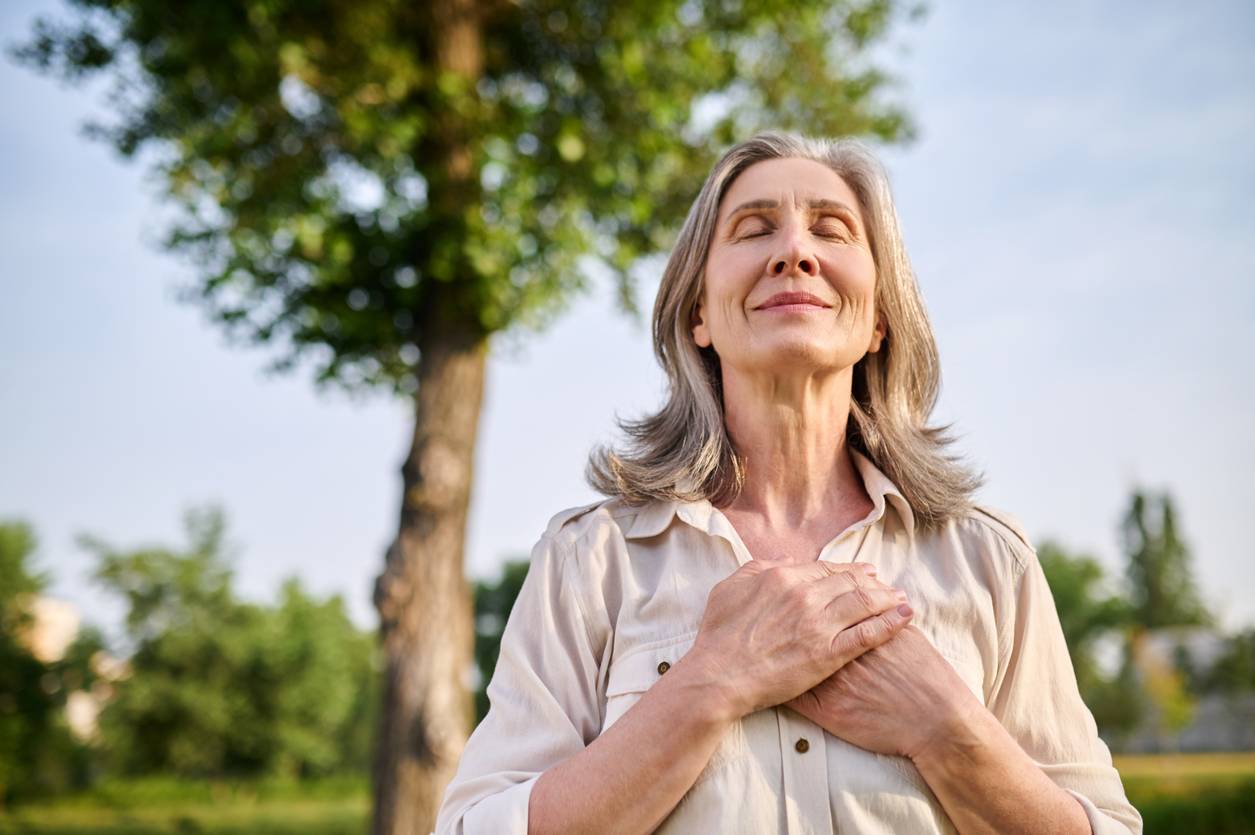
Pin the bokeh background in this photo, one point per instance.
(1078, 201)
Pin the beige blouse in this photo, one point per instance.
(615, 595)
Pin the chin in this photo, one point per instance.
(796, 354)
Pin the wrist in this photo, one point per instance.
(962, 735)
(707, 688)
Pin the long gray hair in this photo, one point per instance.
(684, 451)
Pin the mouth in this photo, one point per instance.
(794, 301)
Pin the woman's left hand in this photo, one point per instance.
(900, 698)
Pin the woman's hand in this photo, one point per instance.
(901, 698)
(771, 633)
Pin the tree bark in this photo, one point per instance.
(424, 603)
(423, 599)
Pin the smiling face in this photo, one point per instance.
(790, 281)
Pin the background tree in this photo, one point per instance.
(1087, 612)
(381, 185)
(26, 709)
(38, 756)
(1162, 591)
(219, 687)
(1233, 672)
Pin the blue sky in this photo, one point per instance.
(1079, 209)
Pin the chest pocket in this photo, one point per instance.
(640, 668)
(636, 671)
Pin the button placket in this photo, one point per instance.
(805, 773)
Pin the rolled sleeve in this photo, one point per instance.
(1037, 700)
(543, 702)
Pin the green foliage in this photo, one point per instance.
(222, 687)
(18, 579)
(37, 754)
(1227, 810)
(1162, 591)
(1086, 611)
(313, 147)
(1233, 672)
(493, 602)
(1119, 704)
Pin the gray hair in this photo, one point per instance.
(684, 452)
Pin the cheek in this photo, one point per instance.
(855, 282)
(855, 272)
(725, 290)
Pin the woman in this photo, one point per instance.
(789, 616)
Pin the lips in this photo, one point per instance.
(793, 299)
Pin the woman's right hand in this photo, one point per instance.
(770, 633)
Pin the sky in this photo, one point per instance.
(1079, 209)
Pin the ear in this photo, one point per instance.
(701, 333)
(878, 335)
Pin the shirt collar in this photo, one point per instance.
(654, 517)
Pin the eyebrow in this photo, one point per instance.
(821, 203)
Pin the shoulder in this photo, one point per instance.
(591, 527)
(998, 530)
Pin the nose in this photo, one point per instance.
(795, 257)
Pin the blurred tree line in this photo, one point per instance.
(211, 686)
(201, 684)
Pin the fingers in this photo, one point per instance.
(860, 603)
(823, 568)
(869, 633)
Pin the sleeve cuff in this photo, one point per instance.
(1099, 822)
(504, 812)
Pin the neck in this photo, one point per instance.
(791, 431)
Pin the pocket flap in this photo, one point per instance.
(637, 671)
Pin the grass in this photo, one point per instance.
(164, 806)
(1213, 793)
(283, 818)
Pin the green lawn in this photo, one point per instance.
(172, 807)
(282, 818)
(1212, 793)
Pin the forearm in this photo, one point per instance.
(987, 784)
(634, 774)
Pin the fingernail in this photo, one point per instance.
(905, 610)
(869, 570)
(901, 595)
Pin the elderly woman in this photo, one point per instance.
(789, 616)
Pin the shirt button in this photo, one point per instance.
(663, 667)
(802, 746)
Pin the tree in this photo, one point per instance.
(1162, 591)
(1086, 612)
(26, 708)
(380, 186)
(1233, 672)
(219, 687)
(38, 755)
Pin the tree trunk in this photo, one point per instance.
(423, 599)
(424, 603)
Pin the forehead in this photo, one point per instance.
(791, 181)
